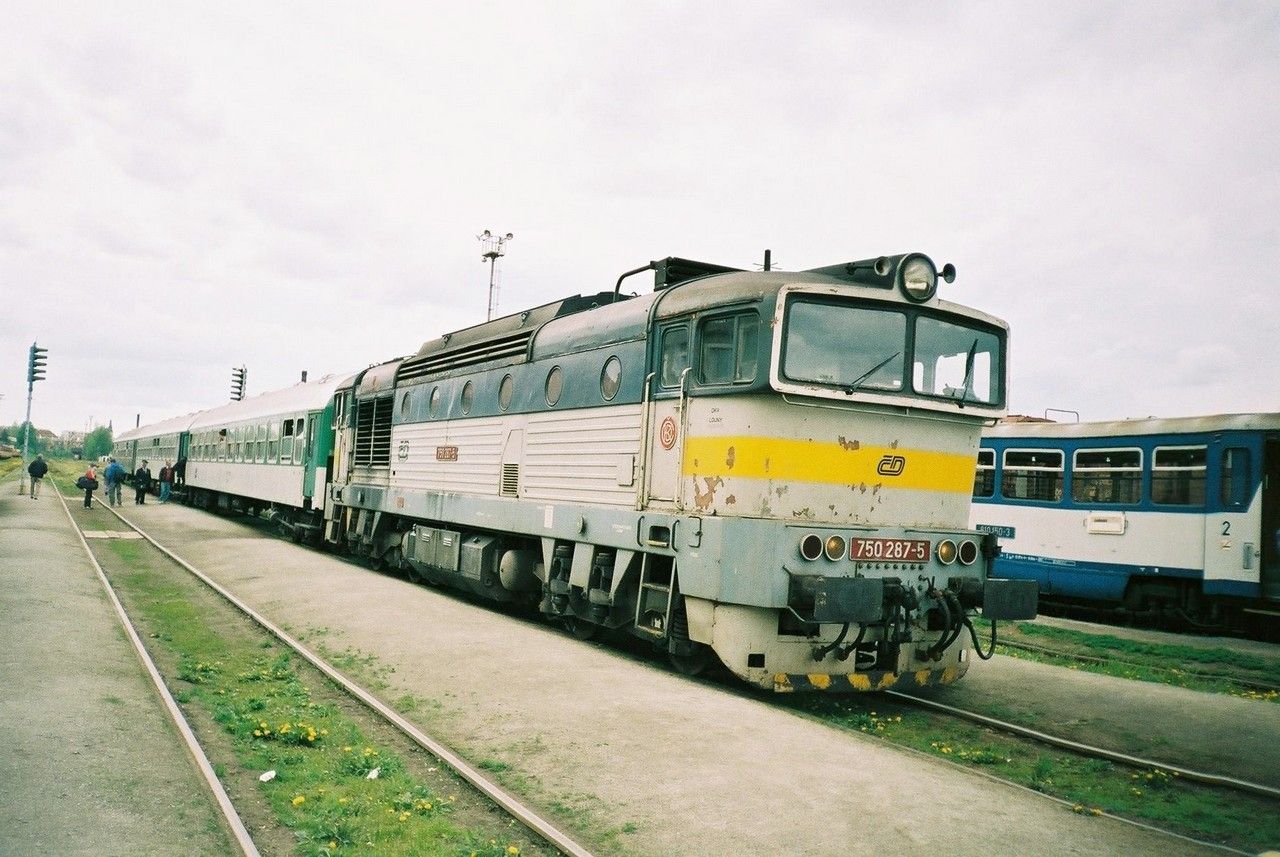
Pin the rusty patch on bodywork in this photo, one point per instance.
(701, 499)
(729, 459)
(850, 445)
(730, 500)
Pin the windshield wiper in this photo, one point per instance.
(849, 389)
(967, 387)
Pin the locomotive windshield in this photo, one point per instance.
(857, 348)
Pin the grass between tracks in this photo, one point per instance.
(339, 790)
(1213, 670)
(1091, 786)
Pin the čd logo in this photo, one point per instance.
(891, 465)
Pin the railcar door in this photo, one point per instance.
(1233, 525)
(1271, 520)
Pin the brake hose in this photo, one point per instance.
(978, 646)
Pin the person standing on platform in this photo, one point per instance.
(166, 482)
(36, 470)
(89, 482)
(180, 471)
(114, 476)
(141, 483)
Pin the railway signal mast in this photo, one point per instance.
(492, 246)
(36, 360)
(239, 383)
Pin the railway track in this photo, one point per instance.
(1209, 675)
(512, 806)
(1088, 750)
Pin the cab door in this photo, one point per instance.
(665, 418)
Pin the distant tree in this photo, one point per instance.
(98, 443)
(15, 432)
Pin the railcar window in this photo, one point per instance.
(851, 347)
(675, 355)
(404, 404)
(984, 480)
(468, 397)
(555, 385)
(506, 389)
(1107, 476)
(727, 349)
(433, 403)
(611, 378)
(262, 443)
(273, 442)
(286, 442)
(1032, 474)
(955, 362)
(1177, 476)
(1235, 476)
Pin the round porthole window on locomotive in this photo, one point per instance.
(610, 378)
(555, 385)
(468, 397)
(433, 404)
(505, 389)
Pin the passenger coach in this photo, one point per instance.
(774, 467)
(268, 453)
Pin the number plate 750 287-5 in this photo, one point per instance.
(889, 550)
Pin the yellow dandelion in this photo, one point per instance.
(299, 800)
(513, 851)
(342, 800)
(346, 749)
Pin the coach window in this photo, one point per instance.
(273, 442)
(611, 378)
(262, 443)
(1032, 474)
(468, 397)
(1107, 476)
(675, 355)
(1177, 475)
(984, 480)
(727, 349)
(505, 391)
(404, 405)
(286, 442)
(555, 385)
(433, 403)
(1235, 476)
(299, 441)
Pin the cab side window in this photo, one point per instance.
(727, 349)
(674, 356)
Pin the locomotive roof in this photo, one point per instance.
(1137, 427)
(303, 396)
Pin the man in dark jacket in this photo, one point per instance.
(141, 482)
(37, 469)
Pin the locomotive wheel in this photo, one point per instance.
(695, 662)
(580, 629)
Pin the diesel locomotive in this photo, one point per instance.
(772, 469)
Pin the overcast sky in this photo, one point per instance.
(185, 188)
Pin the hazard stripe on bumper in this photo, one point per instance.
(861, 682)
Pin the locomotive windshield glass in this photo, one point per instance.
(956, 362)
(845, 346)
(858, 348)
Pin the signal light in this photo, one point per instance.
(239, 382)
(35, 363)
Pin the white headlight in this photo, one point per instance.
(918, 277)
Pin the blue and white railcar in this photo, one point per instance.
(269, 452)
(1175, 515)
(156, 443)
(774, 467)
